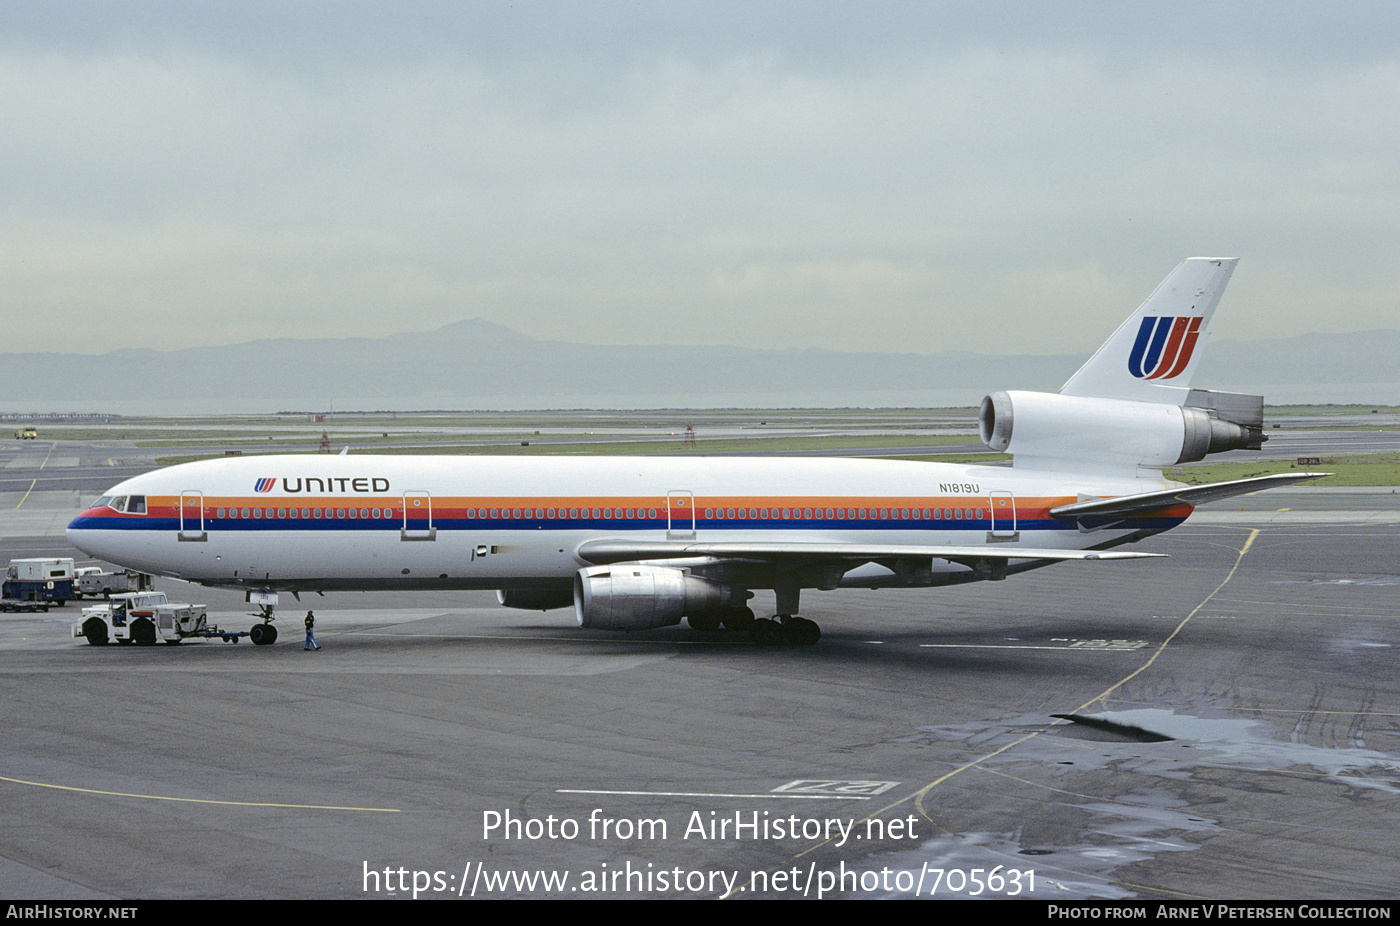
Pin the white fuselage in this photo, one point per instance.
(364, 522)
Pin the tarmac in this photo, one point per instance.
(1223, 724)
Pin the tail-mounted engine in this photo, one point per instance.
(1046, 428)
(635, 597)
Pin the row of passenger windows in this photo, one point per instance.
(315, 513)
(555, 513)
(846, 514)
(752, 514)
(492, 513)
(472, 513)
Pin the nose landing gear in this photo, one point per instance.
(264, 634)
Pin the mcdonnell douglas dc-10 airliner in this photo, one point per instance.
(633, 543)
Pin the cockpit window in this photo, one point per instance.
(102, 502)
(136, 504)
(119, 503)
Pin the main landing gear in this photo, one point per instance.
(740, 618)
(765, 631)
(785, 628)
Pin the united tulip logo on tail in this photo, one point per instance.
(265, 484)
(1164, 346)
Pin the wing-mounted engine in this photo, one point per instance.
(627, 596)
(1045, 430)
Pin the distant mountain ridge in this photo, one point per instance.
(479, 364)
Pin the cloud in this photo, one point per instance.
(910, 189)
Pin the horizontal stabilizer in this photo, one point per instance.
(1185, 495)
(618, 551)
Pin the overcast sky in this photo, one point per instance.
(870, 176)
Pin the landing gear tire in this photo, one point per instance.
(143, 632)
(766, 632)
(707, 621)
(95, 629)
(263, 634)
(798, 631)
(740, 618)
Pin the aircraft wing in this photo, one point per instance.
(1184, 495)
(600, 552)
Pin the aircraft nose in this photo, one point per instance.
(80, 530)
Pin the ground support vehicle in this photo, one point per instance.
(93, 582)
(42, 579)
(145, 617)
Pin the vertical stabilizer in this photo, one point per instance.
(1153, 355)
